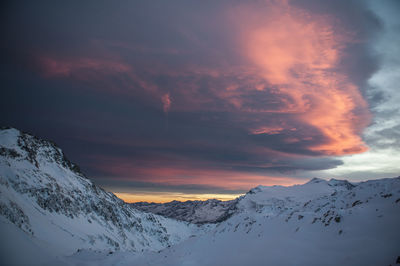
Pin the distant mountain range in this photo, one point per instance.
(51, 214)
(197, 212)
(212, 210)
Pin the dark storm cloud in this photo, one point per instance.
(93, 76)
(291, 166)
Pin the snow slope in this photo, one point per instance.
(58, 210)
(319, 223)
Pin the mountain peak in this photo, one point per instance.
(255, 189)
(316, 180)
(25, 146)
(340, 183)
(41, 188)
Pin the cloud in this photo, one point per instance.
(383, 135)
(262, 91)
(383, 85)
(129, 186)
(298, 54)
(52, 67)
(268, 130)
(288, 65)
(166, 100)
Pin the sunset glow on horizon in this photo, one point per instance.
(163, 101)
(163, 197)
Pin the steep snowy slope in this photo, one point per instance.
(60, 211)
(319, 223)
(198, 212)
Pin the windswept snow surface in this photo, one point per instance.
(46, 205)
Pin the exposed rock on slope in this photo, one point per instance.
(198, 212)
(319, 223)
(47, 197)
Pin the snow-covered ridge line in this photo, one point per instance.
(216, 211)
(47, 197)
(318, 223)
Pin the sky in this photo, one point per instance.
(184, 100)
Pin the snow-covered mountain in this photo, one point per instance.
(47, 198)
(198, 212)
(50, 214)
(318, 223)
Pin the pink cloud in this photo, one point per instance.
(52, 67)
(187, 174)
(166, 100)
(297, 53)
(286, 53)
(267, 130)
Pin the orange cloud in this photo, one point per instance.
(288, 53)
(298, 53)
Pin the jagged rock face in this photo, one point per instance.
(198, 212)
(41, 192)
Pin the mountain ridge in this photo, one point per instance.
(45, 199)
(40, 187)
(197, 212)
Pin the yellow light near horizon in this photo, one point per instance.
(162, 197)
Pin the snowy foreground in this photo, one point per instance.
(50, 214)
